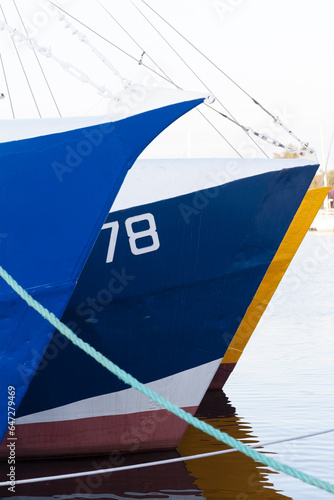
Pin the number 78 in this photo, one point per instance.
(134, 236)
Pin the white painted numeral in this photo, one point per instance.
(134, 236)
(113, 238)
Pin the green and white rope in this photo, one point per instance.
(134, 383)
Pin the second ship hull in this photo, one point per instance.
(162, 295)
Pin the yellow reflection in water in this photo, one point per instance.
(232, 476)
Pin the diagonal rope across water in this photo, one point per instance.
(134, 383)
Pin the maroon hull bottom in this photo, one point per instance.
(130, 433)
(221, 375)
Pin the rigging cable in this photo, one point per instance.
(199, 51)
(131, 37)
(150, 69)
(193, 72)
(22, 66)
(82, 37)
(39, 63)
(70, 68)
(247, 130)
(215, 128)
(6, 82)
(108, 41)
(267, 138)
(275, 118)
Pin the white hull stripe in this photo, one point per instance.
(149, 181)
(185, 389)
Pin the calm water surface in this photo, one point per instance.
(283, 387)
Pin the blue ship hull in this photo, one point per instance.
(162, 295)
(55, 193)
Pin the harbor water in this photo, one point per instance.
(282, 387)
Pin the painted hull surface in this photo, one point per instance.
(162, 295)
(289, 246)
(55, 193)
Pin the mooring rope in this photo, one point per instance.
(134, 383)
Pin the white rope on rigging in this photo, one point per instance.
(274, 142)
(304, 145)
(23, 69)
(141, 62)
(38, 61)
(83, 38)
(31, 43)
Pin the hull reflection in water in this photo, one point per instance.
(231, 476)
(171, 481)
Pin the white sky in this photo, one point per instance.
(280, 52)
